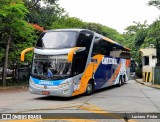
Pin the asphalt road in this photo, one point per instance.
(130, 101)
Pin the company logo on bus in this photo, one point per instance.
(46, 83)
(107, 60)
(45, 86)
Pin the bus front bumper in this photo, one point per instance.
(51, 90)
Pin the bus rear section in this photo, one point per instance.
(70, 62)
(109, 65)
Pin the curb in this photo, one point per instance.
(143, 83)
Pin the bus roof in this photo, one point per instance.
(96, 34)
(111, 41)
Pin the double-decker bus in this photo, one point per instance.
(69, 62)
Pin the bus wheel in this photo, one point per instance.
(120, 81)
(90, 88)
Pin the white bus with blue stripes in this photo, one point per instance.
(69, 62)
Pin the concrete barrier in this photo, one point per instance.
(147, 76)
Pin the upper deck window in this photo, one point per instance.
(57, 39)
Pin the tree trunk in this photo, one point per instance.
(6, 59)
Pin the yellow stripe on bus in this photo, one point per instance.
(109, 40)
(128, 48)
(113, 42)
(71, 53)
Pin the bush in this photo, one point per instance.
(139, 72)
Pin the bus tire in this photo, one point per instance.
(90, 88)
(120, 81)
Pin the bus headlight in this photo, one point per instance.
(64, 85)
(32, 83)
(65, 91)
(72, 82)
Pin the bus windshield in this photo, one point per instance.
(57, 39)
(50, 67)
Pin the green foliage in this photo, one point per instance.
(105, 31)
(154, 3)
(12, 14)
(140, 37)
(153, 32)
(68, 22)
(94, 27)
(72, 22)
(139, 72)
(135, 36)
(12, 26)
(153, 37)
(43, 15)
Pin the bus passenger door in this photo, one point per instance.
(78, 66)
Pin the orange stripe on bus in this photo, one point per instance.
(92, 67)
(114, 76)
(128, 63)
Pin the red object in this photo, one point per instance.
(37, 27)
(45, 92)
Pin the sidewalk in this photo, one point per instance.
(12, 89)
(147, 83)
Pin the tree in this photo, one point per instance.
(73, 22)
(96, 27)
(135, 36)
(43, 14)
(154, 29)
(68, 22)
(33, 3)
(155, 3)
(12, 15)
(105, 31)
(153, 37)
(140, 37)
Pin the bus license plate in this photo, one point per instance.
(45, 92)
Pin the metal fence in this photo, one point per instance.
(157, 75)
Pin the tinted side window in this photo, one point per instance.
(84, 40)
(78, 66)
(100, 47)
